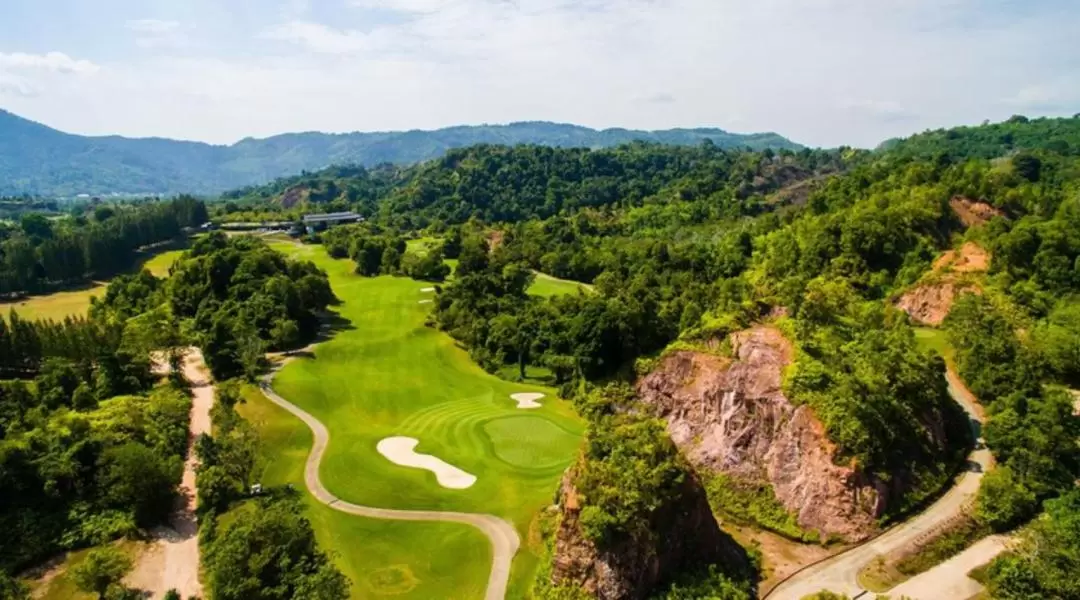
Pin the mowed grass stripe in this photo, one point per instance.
(390, 375)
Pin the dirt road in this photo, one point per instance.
(839, 573)
(504, 538)
(172, 562)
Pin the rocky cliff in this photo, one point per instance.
(730, 415)
(682, 534)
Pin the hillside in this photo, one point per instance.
(36, 159)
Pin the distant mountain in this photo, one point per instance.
(35, 159)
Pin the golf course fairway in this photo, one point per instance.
(383, 374)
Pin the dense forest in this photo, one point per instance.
(39, 254)
(680, 247)
(685, 245)
(90, 449)
(92, 444)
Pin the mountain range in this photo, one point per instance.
(38, 160)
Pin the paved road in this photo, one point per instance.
(839, 573)
(949, 580)
(504, 538)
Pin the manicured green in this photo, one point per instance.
(405, 560)
(546, 285)
(389, 375)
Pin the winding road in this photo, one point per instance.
(504, 538)
(840, 573)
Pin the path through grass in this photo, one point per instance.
(389, 375)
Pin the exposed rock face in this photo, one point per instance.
(682, 533)
(973, 212)
(731, 416)
(929, 303)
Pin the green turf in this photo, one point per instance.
(389, 375)
(529, 442)
(546, 285)
(381, 558)
(936, 340)
(76, 302)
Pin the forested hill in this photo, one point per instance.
(35, 159)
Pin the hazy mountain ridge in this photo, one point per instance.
(36, 159)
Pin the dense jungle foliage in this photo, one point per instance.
(89, 449)
(39, 253)
(685, 245)
(233, 297)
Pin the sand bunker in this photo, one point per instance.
(402, 451)
(425, 302)
(427, 290)
(528, 400)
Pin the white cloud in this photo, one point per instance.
(319, 38)
(158, 33)
(12, 85)
(1057, 95)
(156, 26)
(55, 62)
(825, 72)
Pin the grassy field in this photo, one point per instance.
(389, 375)
(76, 302)
(57, 584)
(381, 558)
(546, 285)
(937, 340)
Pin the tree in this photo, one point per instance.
(1047, 560)
(271, 554)
(134, 477)
(1003, 501)
(12, 589)
(100, 570)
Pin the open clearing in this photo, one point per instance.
(76, 302)
(402, 451)
(385, 374)
(546, 285)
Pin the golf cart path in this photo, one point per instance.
(840, 573)
(504, 538)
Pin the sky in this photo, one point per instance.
(821, 72)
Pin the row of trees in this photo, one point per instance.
(42, 253)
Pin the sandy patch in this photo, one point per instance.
(425, 302)
(427, 290)
(527, 400)
(402, 451)
(172, 561)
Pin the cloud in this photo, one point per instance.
(319, 38)
(1062, 94)
(54, 62)
(658, 99)
(11, 85)
(823, 72)
(886, 111)
(157, 33)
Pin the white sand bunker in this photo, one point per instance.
(527, 400)
(427, 290)
(402, 451)
(425, 301)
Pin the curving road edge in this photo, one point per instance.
(839, 573)
(504, 538)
